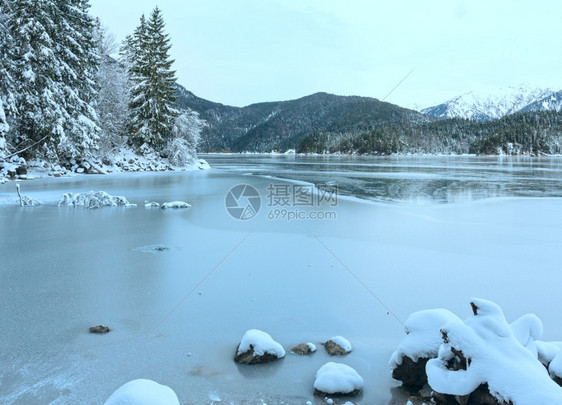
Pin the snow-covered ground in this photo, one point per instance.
(64, 269)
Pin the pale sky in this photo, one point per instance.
(239, 52)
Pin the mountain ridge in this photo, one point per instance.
(490, 105)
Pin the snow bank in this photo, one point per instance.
(335, 378)
(490, 353)
(175, 204)
(261, 343)
(143, 392)
(94, 199)
(423, 336)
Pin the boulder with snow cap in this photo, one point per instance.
(491, 355)
(304, 348)
(143, 392)
(258, 347)
(338, 346)
(421, 342)
(337, 379)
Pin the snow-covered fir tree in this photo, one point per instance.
(6, 59)
(3, 131)
(77, 49)
(152, 96)
(54, 65)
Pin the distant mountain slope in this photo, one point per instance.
(282, 125)
(552, 102)
(480, 106)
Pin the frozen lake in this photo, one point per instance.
(65, 269)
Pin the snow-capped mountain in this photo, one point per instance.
(486, 105)
(552, 102)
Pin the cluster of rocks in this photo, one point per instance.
(332, 379)
(443, 360)
(13, 168)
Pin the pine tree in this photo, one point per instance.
(153, 93)
(77, 49)
(55, 62)
(6, 60)
(37, 76)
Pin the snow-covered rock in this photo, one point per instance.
(143, 392)
(203, 165)
(256, 347)
(421, 343)
(151, 204)
(337, 379)
(175, 204)
(483, 350)
(304, 348)
(93, 199)
(338, 346)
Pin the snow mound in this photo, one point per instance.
(335, 378)
(175, 204)
(203, 165)
(93, 199)
(547, 351)
(143, 392)
(527, 330)
(312, 347)
(484, 350)
(423, 337)
(151, 204)
(261, 343)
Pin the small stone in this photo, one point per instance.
(99, 329)
(303, 348)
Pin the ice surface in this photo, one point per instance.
(64, 270)
(337, 378)
(143, 392)
(261, 342)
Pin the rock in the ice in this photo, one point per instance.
(304, 348)
(421, 343)
(258, 347)
(99, 329)
(175, 204)
(151, 204)
(337, 379)
(143, 392)
(338, 346)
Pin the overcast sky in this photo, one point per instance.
(240, 52)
